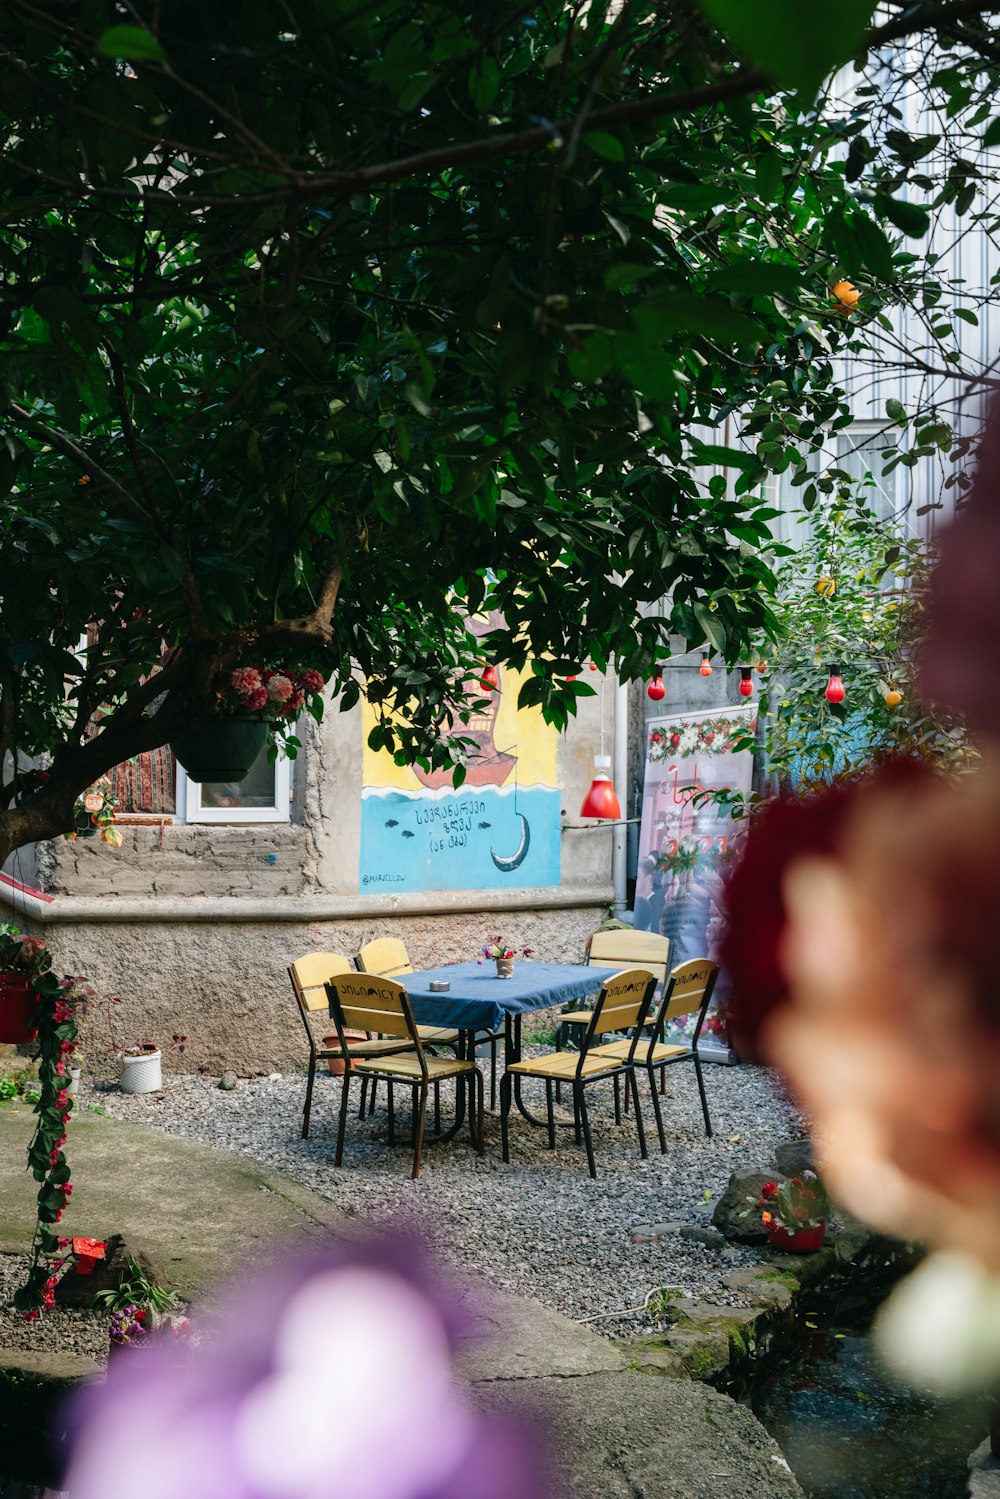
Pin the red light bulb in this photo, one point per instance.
(705, 669)
(490, 679)
(656, 689)
(746, 681)
(835, 692)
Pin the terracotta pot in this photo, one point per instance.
(222, 749)
(801, 1241)
(335, 1064)
(505, 968)
(17, 1009)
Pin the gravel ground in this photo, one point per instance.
(538, 1227)
(67, 1329)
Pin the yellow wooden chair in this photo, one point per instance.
(387, 957)
(622, 1005)
(609, 949)
(366, 1002)
(689, 988)
(309, 976)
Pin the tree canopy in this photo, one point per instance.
(324, 324)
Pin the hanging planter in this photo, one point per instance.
(223, 749)
(18, 1006)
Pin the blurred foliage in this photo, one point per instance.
(321, 322)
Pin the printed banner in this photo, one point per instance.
(499, 830)
(681, 843)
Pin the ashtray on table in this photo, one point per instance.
(439, 986)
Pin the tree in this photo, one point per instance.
(322, 323)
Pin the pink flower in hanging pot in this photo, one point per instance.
(280, 689)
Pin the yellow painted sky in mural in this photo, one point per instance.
(523, 734)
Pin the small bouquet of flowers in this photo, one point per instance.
(94, 813)
(279, 694)
(496, 947)
(800, 1202)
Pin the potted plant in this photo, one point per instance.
(497, 949)
(254, 705)
(141, 1065)
(794, 1213)
(22, 960)
(139, 1309)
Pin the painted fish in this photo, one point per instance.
(391, 822)
(485, 824)
(407, 833)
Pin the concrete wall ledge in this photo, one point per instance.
(226, 910)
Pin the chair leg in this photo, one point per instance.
(506, 1084)
(618, 1101)
(392, 1114)
(585, 1121)
(371, 1103)
(493, 1073)
(309, 1098)
(418, 1133)
(640, 1127)
(701, 1090)
(626, 1100)
(663, 1082)
(576, 1118)
(364, 1098)
(479, 1088)
(657, 1111)
(342, 1125)
(550, 1114)
(560, 1033)
(437, 1108)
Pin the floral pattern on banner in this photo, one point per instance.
(706, 736)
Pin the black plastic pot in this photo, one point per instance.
(222, 750)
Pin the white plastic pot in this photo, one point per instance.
(141, 1074)
(74, 1078)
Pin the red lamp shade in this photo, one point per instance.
(600, 800)
(746, 681)
(705, 669)
(835, 692)
(490, 679)
(656, 689)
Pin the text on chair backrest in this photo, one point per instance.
(370, 1003)
(623, 997)
(691, 981)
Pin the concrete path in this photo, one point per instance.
(197, 1211)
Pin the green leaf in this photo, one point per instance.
(908, 217)
(991, 135)
(603, 144)
(757, 278)
(723, 457)
(796, 43)
(875, 248)
(484, 83)
(895, 410)
(131, 43)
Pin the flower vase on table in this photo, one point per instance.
(503, 955)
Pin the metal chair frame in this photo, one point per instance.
(369, 1002)
(692, 980)
(623, 1003)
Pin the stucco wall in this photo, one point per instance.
(225, 986)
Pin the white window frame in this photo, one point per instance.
(187, 800)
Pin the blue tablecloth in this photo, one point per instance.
(478, 1000)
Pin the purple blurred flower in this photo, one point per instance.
(330, 1378)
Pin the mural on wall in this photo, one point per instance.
(499, 830)
(683, 841)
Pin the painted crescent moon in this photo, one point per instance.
(512, 861)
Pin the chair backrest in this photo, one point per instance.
(691, 986)
(386, 958)
(309, 976)
(628, 945)
(622, 1005)
(367, 1002)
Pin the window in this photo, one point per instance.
(858, 452)
(264, 796)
